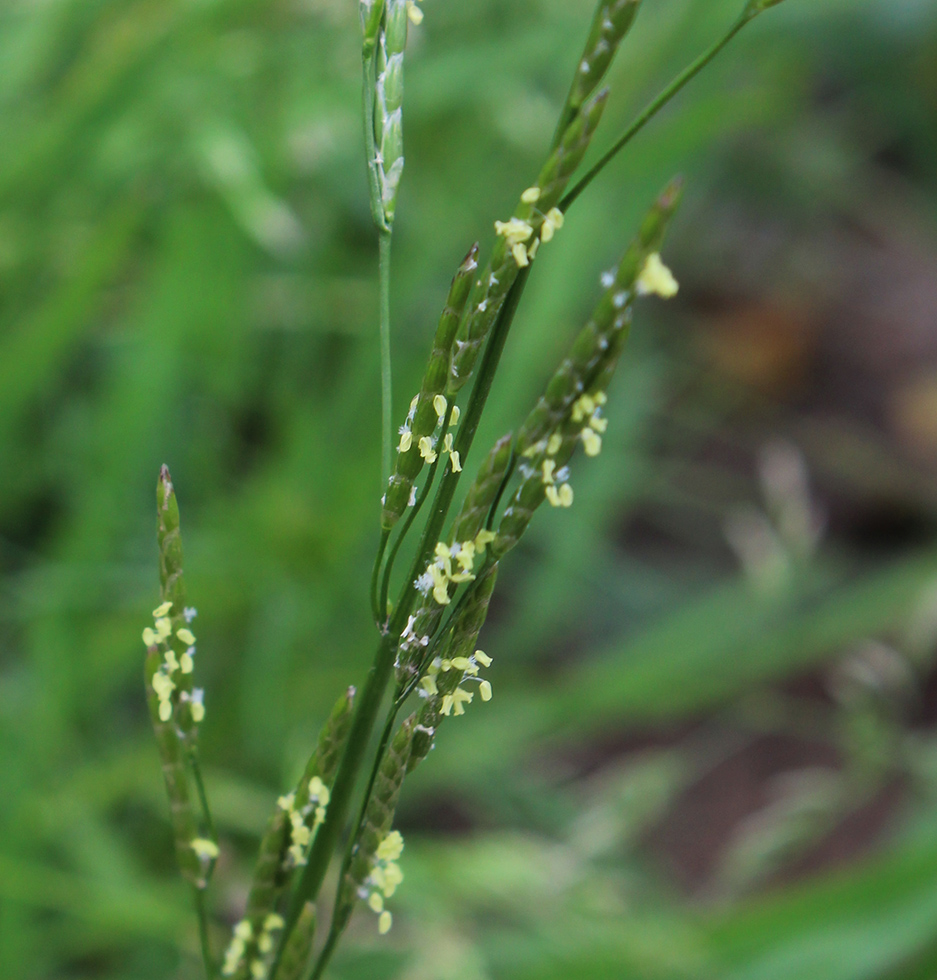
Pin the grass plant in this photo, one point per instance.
(427, 664)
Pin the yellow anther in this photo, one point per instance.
(554, 444)
(549, 465)
(376, 901)
(426, 449)
(483, 539)
(206, 849)
(163, 627)
(455, 416)
(440, 405)
(186, 635)
(484, 689)
(531, 195)
(514, 231)
(162, 609)
(482, 658)
(384, 922)
(591, 441)
(414, 13)
(406, 441)
(150, 638)
(656, 278)
(519, 251)
(391, 847)
(186, 663)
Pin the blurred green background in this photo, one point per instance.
(711, 753)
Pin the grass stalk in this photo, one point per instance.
(384, 238)
(201, 913)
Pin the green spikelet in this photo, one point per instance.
(377, 822)
(175, 773)
(461, 643)
(272, 872)
(502, 269)
(424, 419)
(388, 116)
(299, 945)
(612, 21)
(611, 317)
(172, 589)
(481, 494)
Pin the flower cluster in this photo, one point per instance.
(158, 635)
(454, 702)
(516, 232)
(427, 444)
(439, 573)
(243, 934)
(588, 408)
(384, 878)
(302, 832)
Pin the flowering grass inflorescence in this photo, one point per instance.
(427, 651)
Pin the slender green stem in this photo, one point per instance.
(327, 950)
(651, 110)
(202, 914)
(202, 795)
(379, 616)
(387, 424)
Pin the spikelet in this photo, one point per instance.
(170, 696)
(275, 863)
(612, 21)
(388, 112)
(375, 827)
(531, 213)
(425, 420)
(299, 945)
(458, 660)
(612, 316)
(481, 494)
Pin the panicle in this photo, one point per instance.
(175, 706)
(511, 251)
(299, 945)
(373, 869)
(388, 114)
(483, 491)
(289, 834)
(612, 21)
(425, 420)
(458, 660)
(610, 319)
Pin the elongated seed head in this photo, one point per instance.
(483, 491)
(612, 21)
(502, 269)
(275, 866)
(377, 821)
(424, 419)
(610, 318)
(459, 646)
(172, 758)
(299, 945)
